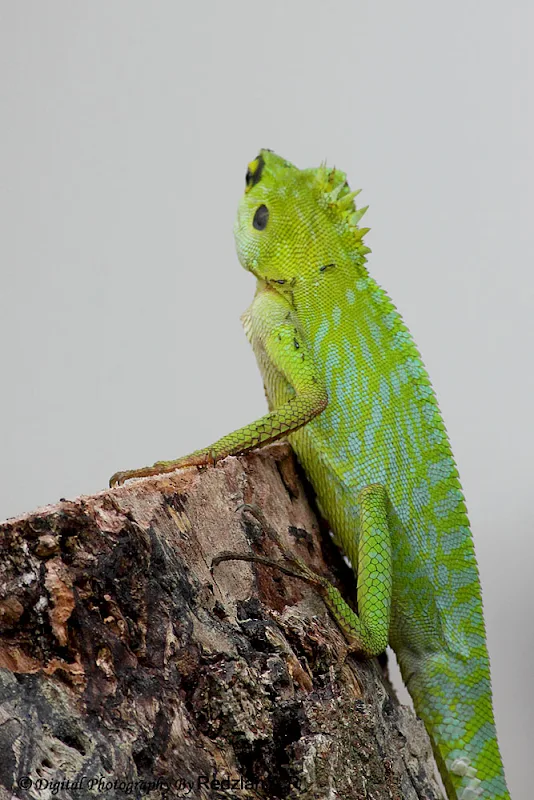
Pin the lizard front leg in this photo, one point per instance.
(289, 355)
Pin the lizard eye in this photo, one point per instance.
(261, 217)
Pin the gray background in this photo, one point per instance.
(126, 130)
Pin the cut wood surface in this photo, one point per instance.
(128, 668)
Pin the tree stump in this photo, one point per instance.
(129, 668)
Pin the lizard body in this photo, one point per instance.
(347, 386)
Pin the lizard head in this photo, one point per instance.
(292, 222)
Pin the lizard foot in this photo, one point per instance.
(345, 617)
(200, 459)
(290, 565)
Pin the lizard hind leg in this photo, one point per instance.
(367, 632)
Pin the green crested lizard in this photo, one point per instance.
(346, 385)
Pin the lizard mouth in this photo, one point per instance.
(245, 253)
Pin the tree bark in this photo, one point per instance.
(129, 668)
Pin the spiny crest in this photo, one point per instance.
(336, 197)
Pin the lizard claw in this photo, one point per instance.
(117, 479)
(257, 513)
(121, 477)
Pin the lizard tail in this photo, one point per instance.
(453, 698)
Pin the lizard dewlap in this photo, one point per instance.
(347, 387)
